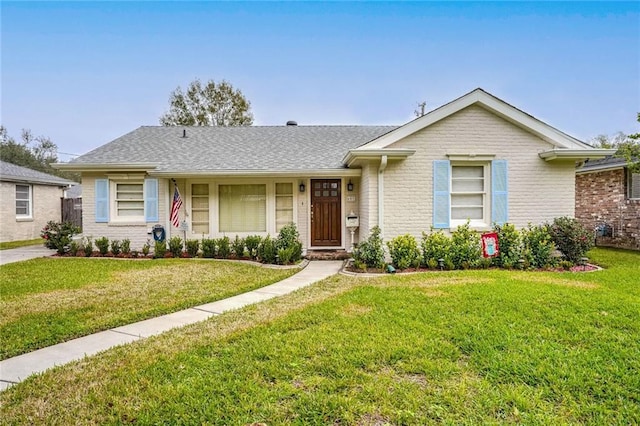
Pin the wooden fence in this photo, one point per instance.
(72, 211)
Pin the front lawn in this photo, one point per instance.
(22, 243)
(48, 301)
(470, 347)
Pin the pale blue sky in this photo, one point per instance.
(86, 73)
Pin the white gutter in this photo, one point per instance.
(575, 154)
(91, 167)
(334, 173)
(383, 166)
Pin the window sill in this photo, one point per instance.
(128, 223)
(480, 227)
(24, 219)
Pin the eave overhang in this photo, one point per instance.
(561, 154)
(355, 155)
(257, 173)
(34, 181)
(106, 167)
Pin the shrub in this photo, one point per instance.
(404, 251)
(289, 239)
(208, 248)
(510, 246)
(74, 247)
(238, 247)
(58, 235)
(192, 247)
(87, 246)
(103, 245)
(159, 249)
(466, 250)
(435, 245)
(571, 238)
(253, 242)
(146, 247)
(224, 247)
(175, 246)
(115, 247)
(285, 255)
(538, 246)
(267, 250)
(370, 252)
(126, 246)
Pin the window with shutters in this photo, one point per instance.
(200, 208)
(23, 201)
(242, 208)
(469, 194)
(633, 185)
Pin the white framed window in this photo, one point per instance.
(24, 201)
(469, 194)
(242, 208)
(200, 217)
(633, 185)
(128, 200)
(284, 204)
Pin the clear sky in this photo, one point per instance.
(86, 73)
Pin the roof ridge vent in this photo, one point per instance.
(292, 123)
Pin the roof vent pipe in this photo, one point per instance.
(292, 123)
(184, 133)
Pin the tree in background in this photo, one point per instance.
(37, 153)
(628, 147)
(214, 104)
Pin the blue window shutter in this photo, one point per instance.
(151, 200)
(102, 200)
(499, 192)
(441, 196)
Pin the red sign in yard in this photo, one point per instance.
(490, 246)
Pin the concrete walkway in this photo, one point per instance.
(24, 253)
(14, 370)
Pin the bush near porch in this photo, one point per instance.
(530, 248)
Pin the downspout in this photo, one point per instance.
(383, 166)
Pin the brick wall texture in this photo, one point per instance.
(46, 207)
(538, 190)
(601, 199)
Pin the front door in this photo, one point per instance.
(326, 215)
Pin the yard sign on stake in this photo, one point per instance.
(490, 246)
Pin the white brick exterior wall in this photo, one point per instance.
(538, 190)
(138, 233)
(46, 206)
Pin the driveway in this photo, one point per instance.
(24, 253)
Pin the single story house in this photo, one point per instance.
(608, 200)
(29, 200)
(476, 158)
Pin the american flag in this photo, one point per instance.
(175, 207)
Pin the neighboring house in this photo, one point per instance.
(608, 200)
(475, 158)
(29, 200)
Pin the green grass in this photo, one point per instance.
(472, 347)
(23, 243)
(48, 301)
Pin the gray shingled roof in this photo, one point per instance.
(608, 162)
(255, 148)
(12, 173)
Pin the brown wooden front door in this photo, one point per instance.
(326, 214)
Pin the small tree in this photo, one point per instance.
(58, 235)
(571, 238)
(214, 104)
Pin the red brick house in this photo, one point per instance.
(608, 200)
